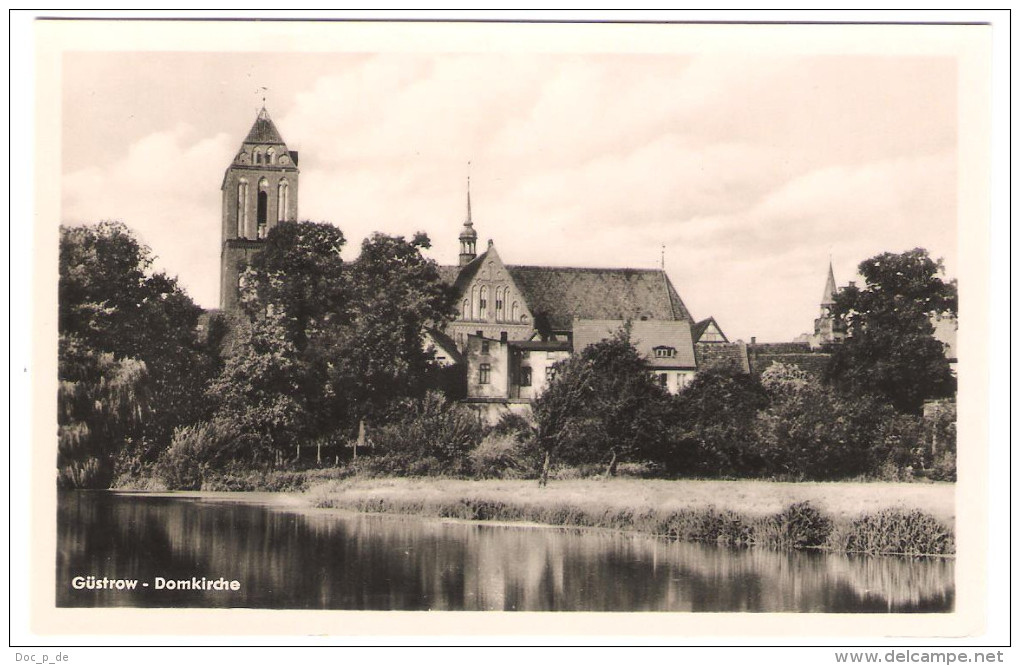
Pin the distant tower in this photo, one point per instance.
(468, 237)
(827, 330)
(260, 190)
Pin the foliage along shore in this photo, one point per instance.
(709, 517)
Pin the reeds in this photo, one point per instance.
(798, 526)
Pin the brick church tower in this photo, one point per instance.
(260, 190)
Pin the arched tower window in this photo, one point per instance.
(483, 297)
(271, 156)
(262, 209)
(242, 208)
(282, 200)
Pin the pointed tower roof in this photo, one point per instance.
(829, 295)
(263, 131)
(469, 232)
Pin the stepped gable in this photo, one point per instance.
(558, 295)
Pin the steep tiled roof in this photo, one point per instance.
(722, 355)
(557, 295)
(448, 274)
(445, 343)
(263, 131)
(645, 336)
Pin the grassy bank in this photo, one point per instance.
(907, 518)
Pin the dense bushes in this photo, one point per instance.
(425, 436)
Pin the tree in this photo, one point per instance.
(395, 294)
(113, 312)
(890, 350)
(715, 434)
(603, 406)
(100, 399)
(324, 344)
(812, 431)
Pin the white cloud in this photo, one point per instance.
(748, 169)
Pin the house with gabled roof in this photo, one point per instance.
(515, 321)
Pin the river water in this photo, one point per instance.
(288, 556)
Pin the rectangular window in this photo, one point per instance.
(663, 380)
(503, 336)
(550, 373)
(485, 346)
(525, 376)
(484, 371)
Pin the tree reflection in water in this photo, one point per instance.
(287, 557)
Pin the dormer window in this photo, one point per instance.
(664, 352)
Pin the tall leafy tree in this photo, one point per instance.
(395, 295)
(603, 406)
(890, 350)
(326, 343)
(115, 314)
(716, 424)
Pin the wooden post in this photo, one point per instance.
(318, 452)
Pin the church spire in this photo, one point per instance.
(468, 236)
(829, 295)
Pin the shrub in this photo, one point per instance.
(800, 525)
(428, 436)
(896, 531)
(185, 464)
(499, 457)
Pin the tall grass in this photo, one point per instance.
(798, 526)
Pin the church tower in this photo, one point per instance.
(260, 190)
(827, 330)
(468, 237)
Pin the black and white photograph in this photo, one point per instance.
(484, 320)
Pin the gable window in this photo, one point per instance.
(515, 312)
(525, 376)
(665, 352)
(484, 373)
(499, 304)
(483, 297)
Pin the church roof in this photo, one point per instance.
(559, 295)
(263, 131)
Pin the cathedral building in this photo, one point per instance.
(513, 322)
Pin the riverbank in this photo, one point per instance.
(879, 518)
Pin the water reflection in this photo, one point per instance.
(295, 558)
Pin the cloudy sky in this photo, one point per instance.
(750, 169)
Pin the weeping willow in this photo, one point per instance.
(100, 399)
